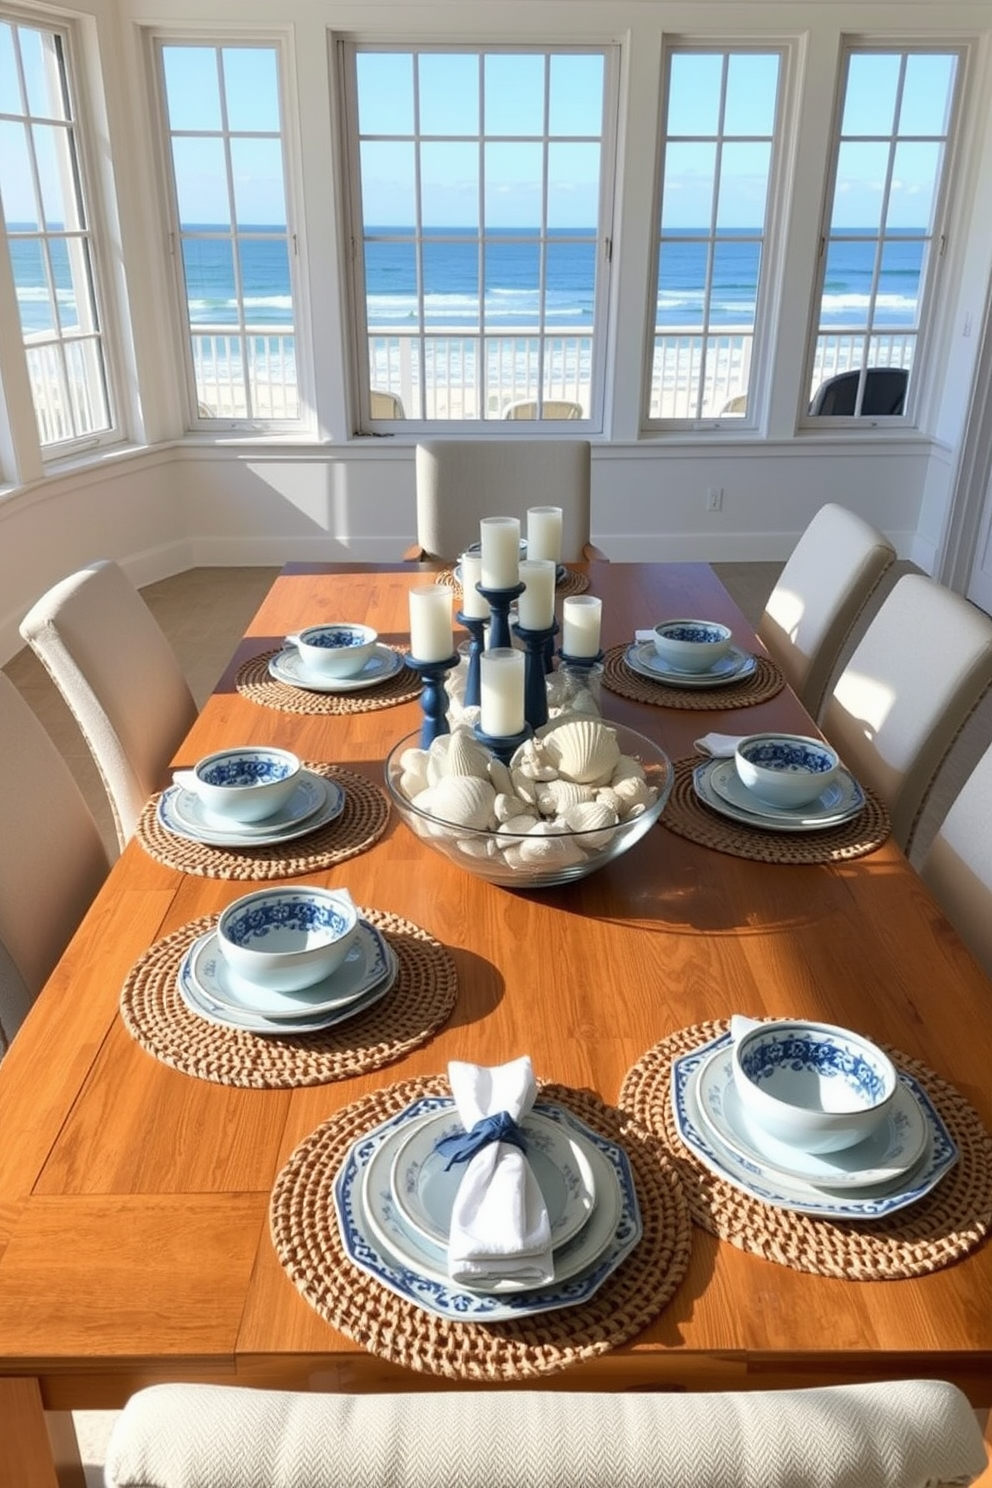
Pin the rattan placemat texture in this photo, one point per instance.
(687, 816)
(415, 1007)
(572, 583)
(947, 1224)
(361, 823)
(254, 681)
(763, 683)
(306, 1238)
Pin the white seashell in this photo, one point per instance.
(513, 827)
(553, 796)
(464, 756)
(609, 797)
(476, 847)
(633, 791)
(506, 806)
(583, 749)
(413, 781)
(627, 768)
(513, 859)
(524, 786)
(590, 817)
(500, 777)
(549, 849)
(463, 800)
(530, 760)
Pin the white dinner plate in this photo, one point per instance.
(642, 658)
(178, 813)
(784, 1192)
(424, 1186)
(200, 1002)
(435, 1292)
(308, 797)
(286, 666)
(363, 968)
(785, 821)
(842, 798)
(884, 1157)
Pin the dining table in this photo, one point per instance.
(139, 1241)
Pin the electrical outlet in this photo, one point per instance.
(714, 498)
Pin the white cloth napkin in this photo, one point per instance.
(499, 1220)
(643, 635)
(718, 746)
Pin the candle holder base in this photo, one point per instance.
(433, 698)
(476, 628)
(500, 601)
(504, 748)
(537, 644)
(581, 661)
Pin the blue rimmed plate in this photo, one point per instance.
(850, 801)
(180, 812)
(642, 658)
(286, 666)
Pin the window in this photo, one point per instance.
(718, 147)
(879, 240)
(233, 246)
(481, 256)
(49, 238)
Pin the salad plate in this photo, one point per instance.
(435, 1292)
(797, 820)
(308, 797)
(287, 666)
(884, 1157)
(785, 1192)
(423, 1186)
(842, 798)
(180, 812)
(363, 968)
(642, 658)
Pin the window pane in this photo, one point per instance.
(451, 284)
(514, 176)
(388, 184)
(915, 173)
(57, 176)
(29, 263)
(682, 274)
(16, 184)
(87, 394)
(251, 89)
(450, 185)
(200, 174)
(264, 264)
(695, 82)
(192, 87)
(847, 283)
(573, 185)
(71, 272)
(449, 93)
(259, 191)
(42, 73)
(514, 94)
(210, 288)
(870, 99)
(576, 95)
(929, 88)
(687, 192)
(861, 171)
(752, 93)
(10, 88)
(736, 267)
(391, 274)
(512, 295)
(899, 282)
(744, 171)
(385, 93)
(571, 284)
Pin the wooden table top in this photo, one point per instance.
(134, 1242)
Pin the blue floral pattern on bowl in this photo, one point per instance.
(336, 639)
(697, 635)
(819, 1056)
(259, 920)
(783, 754)
(246, 769)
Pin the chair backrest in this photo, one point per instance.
(385, 405)
(821, 591)
(885, 392)
(917, 672)
(109, 658)
(551, 408)
(460, 481)
(958, 863)
(896, 1435)
(52, 857)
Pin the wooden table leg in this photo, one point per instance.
(26, 1458)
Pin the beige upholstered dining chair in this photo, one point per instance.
(822, 589)
(460, 481)
(109, 658)
(52, 858)
(896, 1435)
(919, 669)
(958, 863)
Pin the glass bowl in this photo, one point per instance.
(520, 858)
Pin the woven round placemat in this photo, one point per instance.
(687, 816)
(572, 583)
(361, 823)
(306, 1238)
(950, 1222)
(254, 681)
(763, 683)
(415, 1007)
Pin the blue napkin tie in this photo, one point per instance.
(463, 1146)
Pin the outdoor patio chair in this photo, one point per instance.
(551, 408)
(885, 392)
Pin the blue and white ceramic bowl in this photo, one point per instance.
(785, 769)
(692, 645)
(814, 1086)
(244, 784)
(335, 650)
(287, 938)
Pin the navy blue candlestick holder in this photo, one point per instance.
(536, 644)
(503, 748)
(476, 628)
(500, 601)
(433, 698)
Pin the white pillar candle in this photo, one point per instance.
(430, 623)
(500, 543)
(474, 604)
(536, 606)
(501, 685)
(581, 616)
(544, 533)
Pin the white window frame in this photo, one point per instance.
(361, 381)
(93, 232)
(198, 420)
(760, 355)
(928, 290)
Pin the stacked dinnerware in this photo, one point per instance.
(248, 796)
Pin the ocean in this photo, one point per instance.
(451, 274)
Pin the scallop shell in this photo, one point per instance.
(464, 756)
(513, 827)
(583, 749)
(555, 796)
(506, 806)
(609, 797)
(524, 786)
(463, 800)
(532, 762)
(594, 818)
(549, 848)
(500, 777)
(633, 791)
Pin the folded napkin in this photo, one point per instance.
(499, 1220)
(718, 746)
(643, 635)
